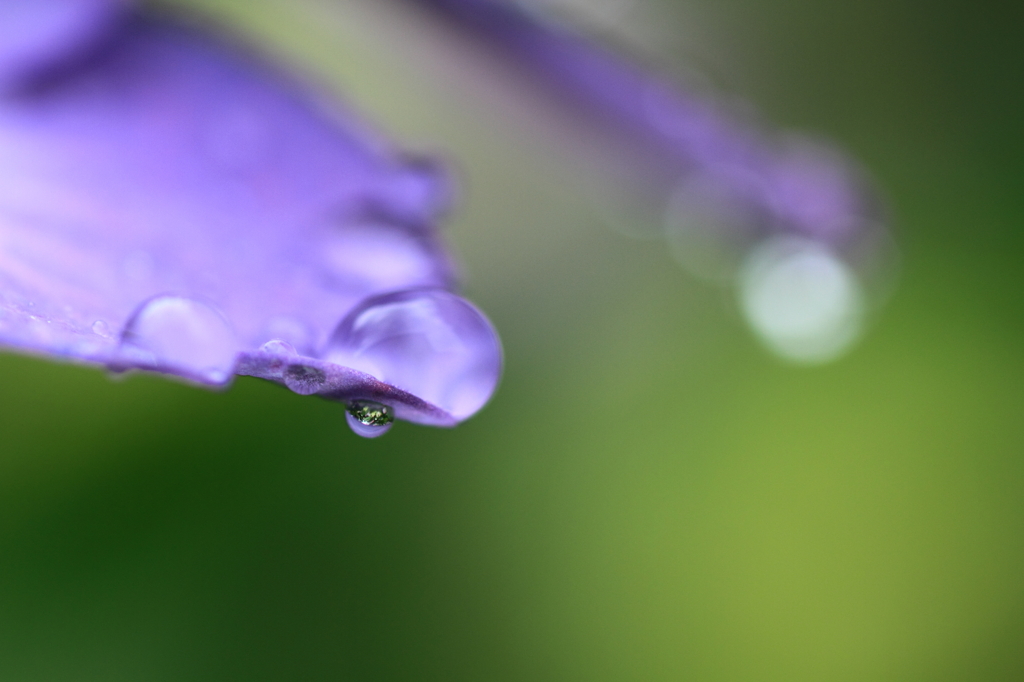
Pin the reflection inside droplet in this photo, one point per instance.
(303, 379)
(181, 335)
(428, 342)
(369, 419)
(802, 300)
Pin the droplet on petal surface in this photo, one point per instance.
(278, 347)
(428, 342)
(289, 331)
(182, 336)
(420, 191)
(303, 379)
(369, 419)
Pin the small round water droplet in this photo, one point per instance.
(101, 328)
(278, 347)
(290, 331)
(804, 302)
(369, 419)
(181, 335)
(428, 342)
(303, 379)
(422, 188)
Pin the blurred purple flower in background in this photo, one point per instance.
(783, 186)
(789, 218)
(170, 203)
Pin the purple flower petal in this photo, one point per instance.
(172, 205)
(38, 34)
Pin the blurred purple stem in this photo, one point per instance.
(781, 186)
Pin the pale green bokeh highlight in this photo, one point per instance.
(650, 496)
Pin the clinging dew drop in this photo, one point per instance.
(278, 347)
(303, 379)
(419, 192)
(183, 336)
(428, 342)
(369, 419)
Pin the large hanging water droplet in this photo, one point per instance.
(180, 335)
(369, 419)
(428, 342)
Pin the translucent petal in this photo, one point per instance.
(173, 204)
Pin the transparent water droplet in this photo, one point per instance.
(101, 328)
(802, 300)
(278, 347)
(303, 379)
(428, 342)
(181, 335)
(425, 188)
(369, 419)
(290, 331)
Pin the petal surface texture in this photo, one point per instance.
(171, 203)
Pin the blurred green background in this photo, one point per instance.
(650, 495)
